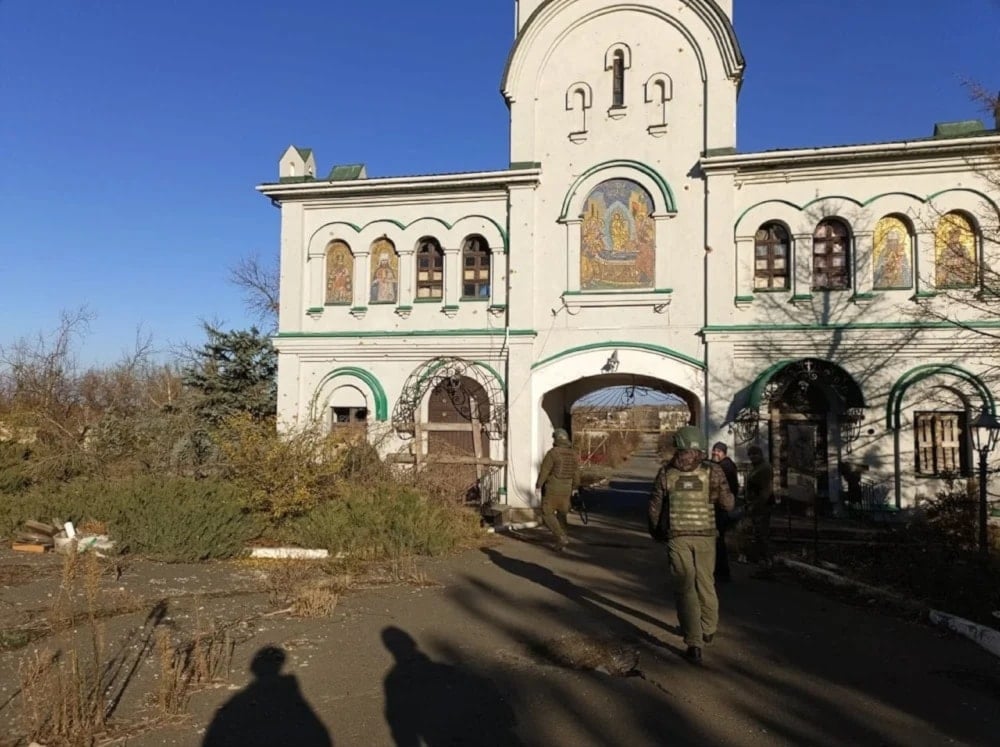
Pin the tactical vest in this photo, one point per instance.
(564, 463)
(691, 510)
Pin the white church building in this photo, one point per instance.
(803, 300)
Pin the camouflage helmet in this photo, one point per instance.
(559, 435)
(689, 437)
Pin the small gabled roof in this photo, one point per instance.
(347, 172)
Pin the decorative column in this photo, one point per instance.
(498, 280)
(452, 280)
(661, 270)
(745, 270)
(802, 268)
(573, 254)
(863, 267)
(407, 274)
(362, 272)
(924, 264)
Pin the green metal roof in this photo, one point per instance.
(959, 129)
(346, 172)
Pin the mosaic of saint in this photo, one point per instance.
(891, 256)
(618, 247)
(955, 252)
(385, 272)
(339, 273)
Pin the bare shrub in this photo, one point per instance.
(280, 474)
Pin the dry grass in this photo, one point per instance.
(63, 691)
(203, 659)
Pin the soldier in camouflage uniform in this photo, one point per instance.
(558, 477)
(682, 513)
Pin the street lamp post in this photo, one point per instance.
(985, 433)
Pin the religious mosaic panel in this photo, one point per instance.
(618, 246)
(891, 257)
(955, 252)
(385, 272)
(339, 273)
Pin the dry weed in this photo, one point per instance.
(201, 660)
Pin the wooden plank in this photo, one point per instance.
(37, 526)
(28, 547)
(477, 440)
(433, 459)
(447, 427)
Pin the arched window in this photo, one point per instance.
(339, 274)
(771, 257)
(831, 256)
(955, 252)
(618, 79)
(475, 268)
(618, 237)
(892, 252)
(430, 269)
(385, 272)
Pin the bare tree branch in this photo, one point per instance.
(258, 278)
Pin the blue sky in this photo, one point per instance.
(133, 132)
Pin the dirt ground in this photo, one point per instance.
(513, 644)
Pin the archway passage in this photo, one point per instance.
(622, 427)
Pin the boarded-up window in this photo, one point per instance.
(430, 269)
(938, 441)
(771, 257)
(831, 256)
(475, 268)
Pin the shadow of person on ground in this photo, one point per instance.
(433, 704)
(595, 603)
(269, 711)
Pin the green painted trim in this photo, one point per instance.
(498, 307)
(496, 375)
(378, 392)
(414, 333)
(744, 299)
(865, 296)
(893, 288)
(710, 328)
(776, 290)
(757, 388)
(451, 307)
(647, 347)
(474, 299)
(359, 308)
(438, 300)
(716, 20)
(894, 403)
(608, 291)
(405, 308)
(382, 303)
(801, 297)
(925, 294)
(319, 309)
(661, 183)
(402, 227)
(520, 165)
(976, 192)
(865, 203)
(870, 200)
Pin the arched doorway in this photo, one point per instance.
(814, 409)
(456, 410)
(452, 414)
